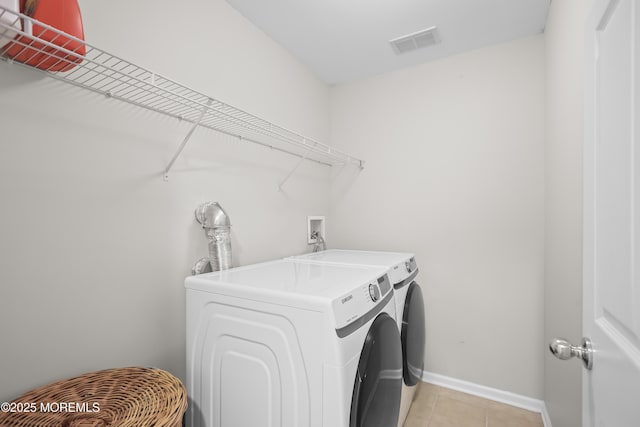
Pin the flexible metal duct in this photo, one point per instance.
(217, 226)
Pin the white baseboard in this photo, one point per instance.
(517, 400)
(545, 416)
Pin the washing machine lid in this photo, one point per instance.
(350, 292)
(402, 266)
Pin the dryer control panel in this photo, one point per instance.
(402, 270)
(358, 304)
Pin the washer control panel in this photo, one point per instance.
(357, 303)
(374, 292)
(384, 284)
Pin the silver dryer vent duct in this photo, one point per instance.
(217, 226)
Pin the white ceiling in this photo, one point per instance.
(343, 40)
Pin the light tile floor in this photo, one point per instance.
(435, 406)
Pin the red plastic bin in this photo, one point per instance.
(63, 15)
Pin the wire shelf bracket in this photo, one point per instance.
(101, 72)
(185, 140)
(295, 168)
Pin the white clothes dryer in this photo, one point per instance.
(402, 269)
(290, 344)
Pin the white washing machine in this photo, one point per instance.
(402, 270)
(291, 344)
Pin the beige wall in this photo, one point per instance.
(455, 173)
(564, 40)
(94, 245)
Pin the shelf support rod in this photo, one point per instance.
(186, 139)
(295, 168)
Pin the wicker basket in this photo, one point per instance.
(125, 397)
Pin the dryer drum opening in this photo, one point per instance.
(413, 335)
(378, 383)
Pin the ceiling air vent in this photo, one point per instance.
(417, 40)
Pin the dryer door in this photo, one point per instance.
(413, 335)
(378, 384)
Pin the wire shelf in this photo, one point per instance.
(47, 49)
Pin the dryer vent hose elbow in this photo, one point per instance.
(217, 226)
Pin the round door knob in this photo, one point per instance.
(563, 350)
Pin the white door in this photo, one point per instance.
(611, 309)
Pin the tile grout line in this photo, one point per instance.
(433, 408)
(487, 405)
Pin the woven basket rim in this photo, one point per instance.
(125, 397)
